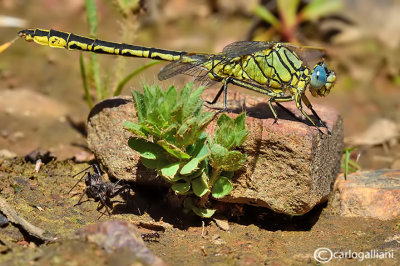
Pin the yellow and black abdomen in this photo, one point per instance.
(70, 41)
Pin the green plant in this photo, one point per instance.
(348, 165)
(290, 17)
(90, 72)
(170, 138)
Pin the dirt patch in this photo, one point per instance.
(255, 235)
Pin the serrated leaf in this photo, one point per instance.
(218, 152)
(181, 187)
(224, 135)
(221, 188)
(134, 128)
(138, 100)
(146, 149)
(173, 150)
(240, 121)
(206, 119)
(190, 167)
(205, 213)
(200, 185)
(224, 119)
(150, 128)
(226, 160)
(240, 137)
(193, 103)
(169, 171)
(233, 161)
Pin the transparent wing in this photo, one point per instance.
(193, 68)
(308, 54)
(245, 47)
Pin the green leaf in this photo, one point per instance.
(222, 187)
(134, 128)
(231, 133)
(190, 167)
(203, 152)
(218, 152)
(205, 213)
(169, 171)
(206, 119)
(138, 100)
(233, 161)
(181, 187)
(226, 160)
(149, 127)
(240, 129)
(200, 185)
(198, 172)
(173, 150)
(91, 15)
(85, 82)
(227, 174)
(146, 149)
(320, 8)
(159, 163)
(267, 16)
(224, 135)
(193, 103)
(288, 11)
(177, 178)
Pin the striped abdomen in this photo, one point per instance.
(59, 39)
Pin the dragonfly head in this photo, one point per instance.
(26, 34)
(322, 80)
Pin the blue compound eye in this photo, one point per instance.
(318, 77)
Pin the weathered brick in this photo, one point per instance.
(290, 166)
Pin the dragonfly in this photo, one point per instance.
(279, 70)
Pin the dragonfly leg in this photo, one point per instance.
(224, 89)
(277, 99)
(300, 107)
(309, 106)
(288, 111)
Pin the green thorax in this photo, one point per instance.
(278, 68)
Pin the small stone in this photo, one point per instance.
(222, 224)
(7, 154)
(120, 236)
(372, 194)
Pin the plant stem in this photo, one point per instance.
(215, 173)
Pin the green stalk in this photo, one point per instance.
(85, 83)
(121, 84)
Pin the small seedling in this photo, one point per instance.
(99, 190)
(171, 139)
(349, 165)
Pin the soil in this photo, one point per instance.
(42, 103)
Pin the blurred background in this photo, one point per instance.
(42, 97)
